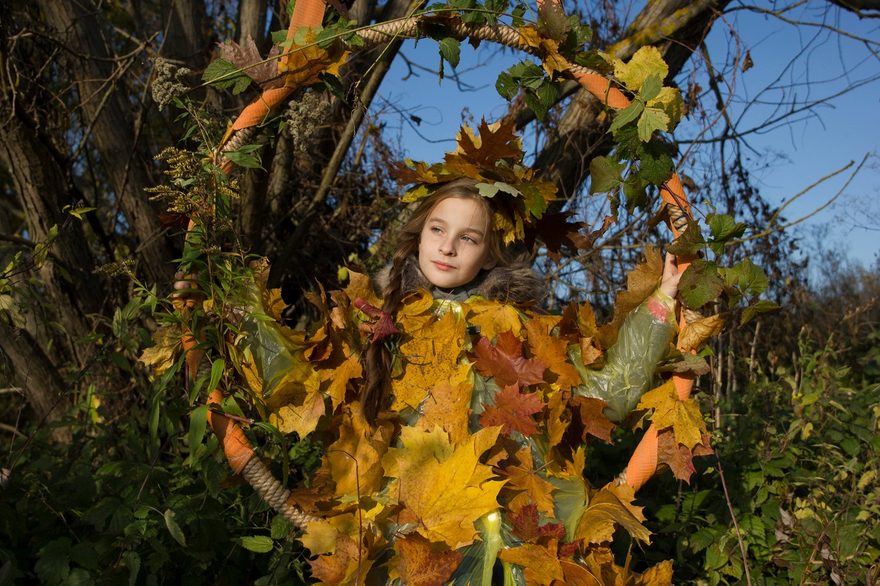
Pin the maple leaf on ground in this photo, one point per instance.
(505, 362)
(610, 507)
(683, 416)
(678, 457)
(513, 411)
(593, 419)
(443, 487)
(540, 563)
(551, 349)
(530, 488)
(421, 563)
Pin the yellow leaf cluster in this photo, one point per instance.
(610, 507)
(683, 416)
(302, 64)
(443, 485)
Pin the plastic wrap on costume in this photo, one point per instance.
(643, 340)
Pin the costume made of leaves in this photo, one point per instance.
(481, 455)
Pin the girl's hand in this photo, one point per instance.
(186, 290)
(671, 276)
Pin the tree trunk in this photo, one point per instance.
(107, 113)
(37, 377)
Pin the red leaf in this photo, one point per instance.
(677, 456)
(513, 411)
(505, 362)
(525, 525)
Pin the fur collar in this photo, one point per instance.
(516, 283)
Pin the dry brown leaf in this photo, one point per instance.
(640, 283)
(696, 333)
(421, 563)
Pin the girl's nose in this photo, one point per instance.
(447, 247)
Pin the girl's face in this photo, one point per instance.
(452, 245)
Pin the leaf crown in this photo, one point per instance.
(493, 157)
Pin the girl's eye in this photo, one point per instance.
(468, 239)
(436, 230)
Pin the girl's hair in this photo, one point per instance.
(378, 358)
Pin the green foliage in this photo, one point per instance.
(801, 467)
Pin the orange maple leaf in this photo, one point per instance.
(422, 563)
(513, 411)
(679, 458)
(505, 361)
(551, 349)
(540, 563)
(531, 488)
(592, 418)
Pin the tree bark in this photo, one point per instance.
(37, 376)
(43, 188)
(187, 39)
(252, 22)
(106, 113)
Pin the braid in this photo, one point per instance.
(378, 359)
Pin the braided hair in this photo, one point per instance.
(378, 358)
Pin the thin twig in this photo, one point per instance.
(739, 539)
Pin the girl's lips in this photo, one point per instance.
(442, 265)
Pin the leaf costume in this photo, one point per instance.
(477, 466)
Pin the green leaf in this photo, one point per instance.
(536, 105)
(85, 555)
(700, 284)
(651, 87)
(80, 212)
(529, 75)
(246, 156)
(216, 372)
(655, 163)
(174, 528)
(762, 306)
(223, 74)
(547, 94)
(646, 62)
(690, 242)
(634, 192)
(53, 563)
(257, 543)
(281, 527)
(198, 424)
(747, 276)
(604, 174)
(506, 86)
(133, 562)
(627, 115)
(724, 227)
(652, 119)
(450, 49)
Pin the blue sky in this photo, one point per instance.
(792, 64)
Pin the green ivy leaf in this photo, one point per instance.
(627, 115)
(689, 243)
(604, 174)
(246, 156)
(700, 284)
(723, 228)
(257, 543)
(450, 49)
(173, 527)
(652, 119)
(762, 306)
(634, 192)
(281, 527)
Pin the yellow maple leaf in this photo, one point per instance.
(640, 283)
(360, 286)
(160, 356)
(657, 575)
(301, 419)
(683, 416)
(647, 61)
(431, 355)
(354, 457)
(695, 333)
(547, 48)
(339, 377)
(448, 406)
(611, 507)
(443, 486)
(302, 64)
(530, 486)
(492, 317)
(541, 564)
(551, 349)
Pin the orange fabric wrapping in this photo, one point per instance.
(236, 446)
(259, 109)
(603, 90)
